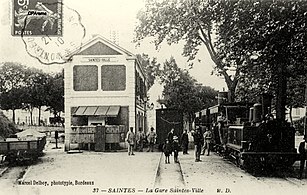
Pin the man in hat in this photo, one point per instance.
(198, 142)
(170, 136)
(175, 149)
(130, 138)
(185, 141)
(303, 154)
(207, 141)
(140, 139)
(151, 139)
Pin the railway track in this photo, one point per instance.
(12, 174)
(168, 175)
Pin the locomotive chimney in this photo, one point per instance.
(257, 113)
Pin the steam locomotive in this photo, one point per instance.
(249, 134)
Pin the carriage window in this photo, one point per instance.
(113, 77)
(85, 78)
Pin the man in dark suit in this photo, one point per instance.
(185, 141)
(303, 154)
(198, 142)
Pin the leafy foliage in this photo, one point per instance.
(6, 127)
(182, 91)
(194, 22)
(263, 41)
(12, 83)
(150, 66)
(274, 42)
(55, 93)
(29, 88)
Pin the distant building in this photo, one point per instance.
(105, 95)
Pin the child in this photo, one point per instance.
(167, 149)
(176, 149)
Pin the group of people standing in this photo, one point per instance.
(139, 140)
(202, 142)
(171, 146)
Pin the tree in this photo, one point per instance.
(55, 95)
(194, 22)
(274, 43)
(29, 88)
(150, 66)
(182, 91)
(296, 93)
(264, 41)
(37, 90)
(12, 82)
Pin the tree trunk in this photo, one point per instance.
(13, 116)
(39, 116)
(231, 92)
(281, 93)
(31, 118)
(190, 122)
(290, 115)
(231, 84)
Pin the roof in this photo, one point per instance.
(108, 48)
(107, 111)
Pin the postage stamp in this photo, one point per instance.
(37, 17)
(50, 49)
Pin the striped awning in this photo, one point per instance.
(107, 111)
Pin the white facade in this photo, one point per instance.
(100, 53)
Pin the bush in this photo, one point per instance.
(6, 126)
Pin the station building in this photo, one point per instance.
(105, 95)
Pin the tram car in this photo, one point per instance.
(250, 135)
(14, 151)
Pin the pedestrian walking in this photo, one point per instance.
(130, 138)
(303, 155)
(207, 141)
(198, 141)
(151, 137)
(185, 142)
(167, 150)
(140, 139)
(176, 149)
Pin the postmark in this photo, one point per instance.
(50, 49)
(37, 17)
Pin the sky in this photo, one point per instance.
(102, 17)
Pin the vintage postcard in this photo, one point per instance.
(153, 97)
